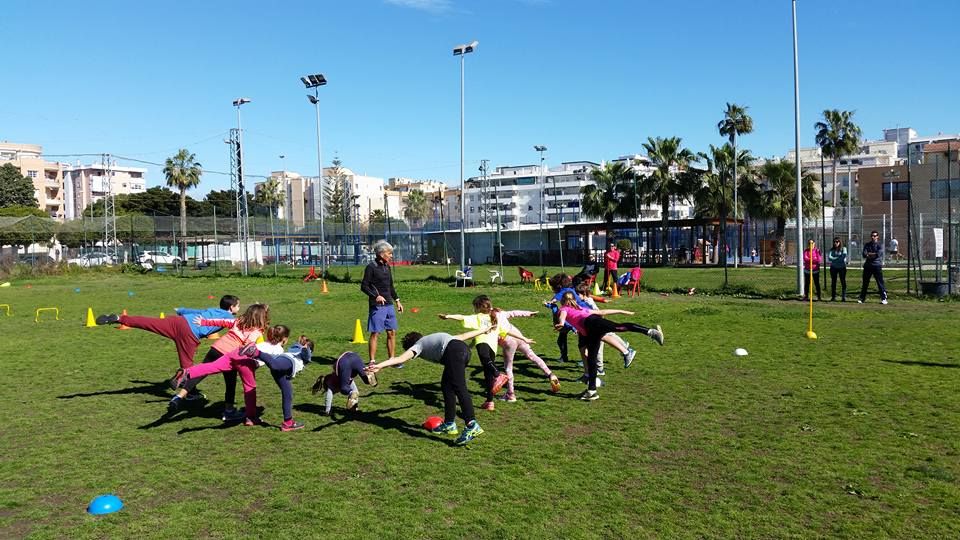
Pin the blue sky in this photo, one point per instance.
(590, 80)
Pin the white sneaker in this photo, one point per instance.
(859, 301)
(656, 334)
(884, 301)
(353, 400)
(628, 357)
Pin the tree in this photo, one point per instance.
(671, 178)
(225, 201)
(15, 189)
(378, 216)
(773, 195)
(416, 209)
(183, 172)
(735, 122)
(21, 211)
(335, 191)
(837, 136)
(712, 198)
(270, 195)
(610, 195)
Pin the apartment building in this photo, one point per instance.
(86, 184)
(47, 177)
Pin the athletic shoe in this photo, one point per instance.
(112, 318)
(590, 395)
(232, 415)
(249, 350)
(601, 372)
(884, 301)
(177, 377)
(498, 383)
(399, 366)
(470, 433)
(859, 300)
(174, 404)
(554, 383)
(509, 397)
(195, 395)
(252, 421)
(631, 354)
(446, 428)
(488, 406)
(292, 426)
(372, 377)
(656, 334)
(353, 400)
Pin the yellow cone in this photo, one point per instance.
(596, 289)
(616, 293)
(324, 290)
(358, 333)
(162, 316)
(91, 322)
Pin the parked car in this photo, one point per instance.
(424, 258)
(158, 257)
(36, 259)
(96, 258)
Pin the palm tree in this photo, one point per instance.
(735, 122)
(773, 195)
(183, 172)
(671, 178)
(270, 194)
(416, 209)
(711, 198)
(609, 196)
(837, 136)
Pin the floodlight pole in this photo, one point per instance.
(796, 112)
(243, 215)
(315, 82)
(541, 149)
(462, 51)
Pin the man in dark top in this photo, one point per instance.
(377, 284)
(873, 266)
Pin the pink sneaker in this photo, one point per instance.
(509, 397)
(252, 421)
(499, 382)
(488, 406)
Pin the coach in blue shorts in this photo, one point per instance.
(377, 284)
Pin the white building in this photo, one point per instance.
(869, 154)
(87, 184)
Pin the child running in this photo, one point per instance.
(454, 353)
(284, 367)
(244, 330)
(592, 327)
(486, 344)
(184, 333)
(347, 366)
(509, 344)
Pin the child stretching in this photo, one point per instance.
(184, 333)
(591, 326)
(510, 344)
(454, 354)
(244, 330)
(283, 368)
(585, 299)
(486, 344)
(348, 366)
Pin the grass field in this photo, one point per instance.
(855, 435)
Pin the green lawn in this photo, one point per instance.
(854, 435)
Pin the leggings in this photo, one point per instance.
(280, 368)
(816, 282)
(453, 382)
(562, 343)
(842, 273)
(490, 371)
(229, 380)
(510, 345)
(597, 327)
(236, 363)
(174, 328)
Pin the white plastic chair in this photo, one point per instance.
(495, 275)
(463, 277)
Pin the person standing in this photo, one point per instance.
(873, 266)
(611, 258)
(811, 263)
(838, 258)
(377, 284)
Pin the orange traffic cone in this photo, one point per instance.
(616, 293)
(324, 289)
(123, 326)
(358, 334)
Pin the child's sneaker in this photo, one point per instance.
(176, 379)
(488, 406)
(509, 397)
(446, 428)
(252, 421)
(195, 395)
(111, 318)
(470, 433)
(232, 415)
(498, 383)
(656, 334)
(372, 377)
(353, 400)
(590, 395)
(291, 425)
(629, 356)
(601, 372)
(174, 404)
(554, 383)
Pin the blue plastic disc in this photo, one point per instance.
(105, 504)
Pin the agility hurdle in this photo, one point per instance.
(55, 310)
(7, 307)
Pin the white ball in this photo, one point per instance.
(740, 352)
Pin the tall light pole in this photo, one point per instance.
(462, 51)
(556, 205)
(242, 211)
(541, 149)
(796, 113)
(287, 211)
(315, 81)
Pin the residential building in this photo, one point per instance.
(87, 184)
(47, 176)
(869, 154)
(909, 142)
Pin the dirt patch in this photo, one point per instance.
(577, 431)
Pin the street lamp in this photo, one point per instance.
(541, 149)
(242, 214)
(556, 193)
(462, 51)
(316, 81)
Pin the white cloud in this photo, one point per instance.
(432, 6)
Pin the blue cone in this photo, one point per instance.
(105, 504)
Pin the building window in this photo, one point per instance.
(32, 174)
(939, 189)
(901, 191)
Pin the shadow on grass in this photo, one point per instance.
(212, 411)
(920, 363)
(375, 418)
(159, 389)
(428, 393)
